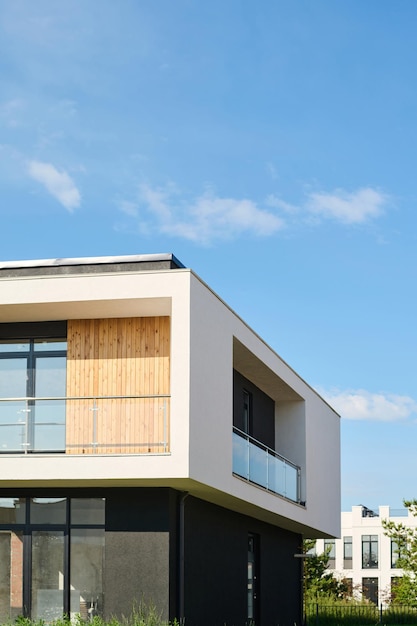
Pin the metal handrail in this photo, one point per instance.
(131, 397)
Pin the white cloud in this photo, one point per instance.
(130, 208)
(364, 405)
(349, 208)
(11, 111)
(207, 217)
(275, 202)
(59, 184)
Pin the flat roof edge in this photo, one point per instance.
(100, 260)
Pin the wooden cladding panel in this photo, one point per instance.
(118, 357)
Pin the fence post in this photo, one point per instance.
(380, 613)
(317, 613)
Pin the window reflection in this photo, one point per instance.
(87, 511)
(48, 510)
(87, 559)
(12, 510)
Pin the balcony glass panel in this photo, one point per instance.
(262, 466)
(13, 426)
(258, 465)
(240, 456)
(276, 474)
(113, 425)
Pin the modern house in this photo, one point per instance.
(152, 447)
(364, 555)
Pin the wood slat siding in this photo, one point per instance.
(118, 357)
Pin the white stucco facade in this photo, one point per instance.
(208, 341)
(362, 527)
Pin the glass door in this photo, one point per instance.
(14, 414)
(48, 417)
(32, 369)
(47, 595)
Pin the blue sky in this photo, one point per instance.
(271, 146)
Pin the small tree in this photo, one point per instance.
(405, 590)
(320, 584)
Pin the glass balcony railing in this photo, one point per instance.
(261, 466)
(86, 425)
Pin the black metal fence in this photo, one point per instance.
(360, 615)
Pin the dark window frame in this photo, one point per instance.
(370, 549)
(28, 528)
(50, 332)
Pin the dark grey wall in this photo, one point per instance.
(262, 425)
(140, 551)
(136, 570)
(142, 559)
(216, 542)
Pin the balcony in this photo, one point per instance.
(263, 467)
(85, 425)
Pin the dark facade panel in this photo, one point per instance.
(262, 411)
(33, 330)
(141, 551)
(216, 569)
(137, 570)
(98, 265)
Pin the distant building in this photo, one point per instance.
(152, 445)
(364, 555)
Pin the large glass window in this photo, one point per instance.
(347, 552)
(87, 563)
(48, 575)
(30, 369)
(330, 550)
(369, 551)
(51, 557)
(395, 554)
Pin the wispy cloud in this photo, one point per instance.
(349, 208)
(58, 183)
(11, 111)
(205, 218)
(364, 405)
(209, 217)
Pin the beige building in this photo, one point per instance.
(364, 555)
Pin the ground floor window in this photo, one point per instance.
(51, 557)
(370, 589)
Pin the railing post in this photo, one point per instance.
(27, 411)
(165, 424)
(94, 410)
(267, 469)
(248, 464)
